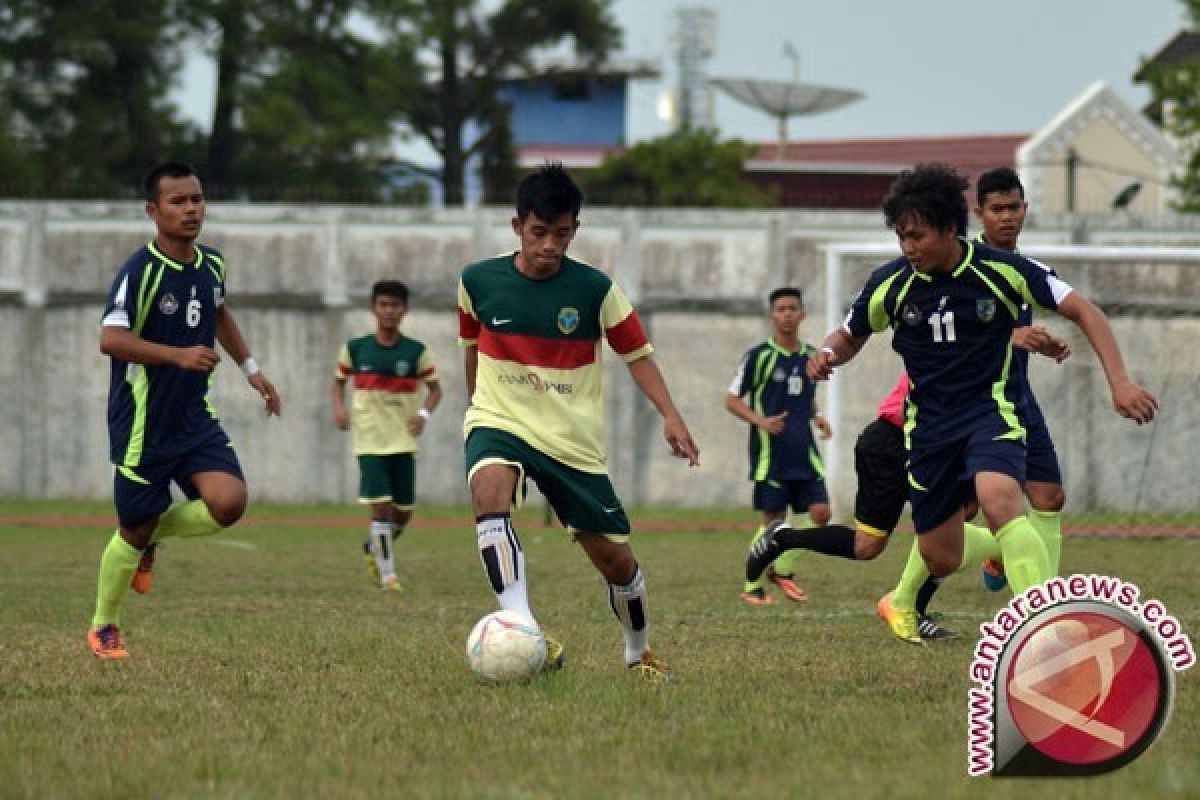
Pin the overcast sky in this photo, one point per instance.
(925, 66)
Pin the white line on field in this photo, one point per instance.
(236, 543)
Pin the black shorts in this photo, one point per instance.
(880, 462)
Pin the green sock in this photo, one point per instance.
(978, 545)
(1048, 524)
(117, 566)
(1025, 560)
(786, 563)
(186, 520)
(762, 579)
(914, 575)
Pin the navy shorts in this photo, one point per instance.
(773, 497)
(1041, 460)
(143, 492)
(941, 479)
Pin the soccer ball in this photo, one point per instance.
(504, 647)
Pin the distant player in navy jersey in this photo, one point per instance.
(771, 391)
(165, 312)
(952, 305)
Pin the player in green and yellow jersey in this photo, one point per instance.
(532, 324)
(385, 418)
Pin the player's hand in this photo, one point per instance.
(774, 425)
(823, 427)
(341, 419)
(415, 424)
(1133, 402)
(197, 359)
(820, 365)
(266, 390)
(1037, 339)
(676, 433)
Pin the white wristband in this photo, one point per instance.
(828, 350)
(249, 367)
(424, 413)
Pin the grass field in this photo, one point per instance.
(263, 665)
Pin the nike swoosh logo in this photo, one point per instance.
(611, 510)
(500, 321)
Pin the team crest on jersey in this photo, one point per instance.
(568, 319)
(778, 375)
(911, 314)
(401, 367)
(985, 308)
(167, 304)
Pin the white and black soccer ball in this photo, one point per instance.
(504, 647)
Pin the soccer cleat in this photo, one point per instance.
(930, 628)
(372, 566)
(651, 670)
(993, 575)
(106, 643)
(390, 584)
(902, 621)
(758, 597)
(786, 585)
(555, 656)
(763, 552)
(143, 578)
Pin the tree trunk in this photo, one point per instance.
(222, 142)
(453, 166)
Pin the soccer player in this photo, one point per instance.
(531, 324)
(784, 462)
(165, 312)
(953, 305)
(386, 417)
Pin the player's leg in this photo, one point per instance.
(997, 467)
(811, 499)
(215, 490)
(771, 501)
(375, 492)
(1044, 488)
(404, 478)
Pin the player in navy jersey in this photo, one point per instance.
(771, 392)
(952, 306)
(165, 312)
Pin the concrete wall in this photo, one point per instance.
(298, 278)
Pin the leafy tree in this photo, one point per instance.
(1176, 88)
(687, 168)
(464, 48)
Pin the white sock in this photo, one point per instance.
(504, 560)
(629, 604)
(381, 548)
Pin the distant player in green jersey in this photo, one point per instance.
(385, 418)
(165, 312)
(532, 324)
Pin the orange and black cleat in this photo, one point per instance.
(144, 577)
(106, 643)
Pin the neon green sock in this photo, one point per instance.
(117, 566)
(1025, 560)
(915, 573)
(762, 580)
(186, 520)
(978, 545)
(786, 563)
(1048, 524)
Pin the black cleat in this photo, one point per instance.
(764, 551)
(930, 628)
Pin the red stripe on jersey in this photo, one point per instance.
(344, 371)
(537, 351)
(386, 383)
(627, 335)
(468, 326)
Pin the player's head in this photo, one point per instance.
(389, 303)
(927, 210)
(1001, 207)
(786, 307)
(175, 200)
(548, 204)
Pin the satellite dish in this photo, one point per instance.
(784, 99)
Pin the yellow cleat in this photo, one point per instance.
(904, 622)
(372, 566)
(391, 584)
(555, 656)
(651, 669)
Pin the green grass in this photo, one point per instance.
(263, 665)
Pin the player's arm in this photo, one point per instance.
(742, 410)
(120, 342)
(822, 425)
(341, 418)
(649, 380)
(232, 341)
(1129, 399)
(433, 396)
(838, 348)
(1037, 339)
(470, 366)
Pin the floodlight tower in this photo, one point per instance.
(694, 38)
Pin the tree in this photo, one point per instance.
(1175, 83)
(687, 168)
(464, 51)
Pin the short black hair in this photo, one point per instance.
(1000, 179)
(393, 289)
(932, 193)
(785, 291)
(548, 192)
(167, 169)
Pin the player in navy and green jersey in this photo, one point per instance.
(952, 306)
(780, 406)
(386, 416)
(532, 324)
(164, 315)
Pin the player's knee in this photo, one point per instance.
(228, 508)
(941, 564)
(819, 514)
(1050, 497)
(868, 547)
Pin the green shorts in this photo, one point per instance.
(583, 501)
(383, 479)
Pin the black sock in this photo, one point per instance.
(831, 540)
(925, 593)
